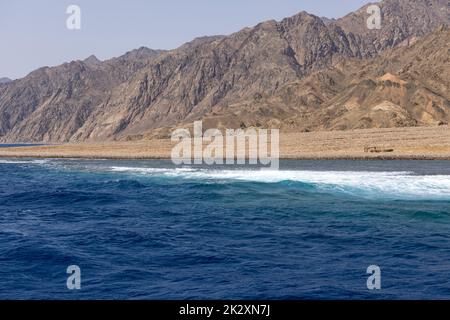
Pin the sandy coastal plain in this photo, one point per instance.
(392, 143)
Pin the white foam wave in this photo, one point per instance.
(387, 184)
(151, 170)
(35, 161)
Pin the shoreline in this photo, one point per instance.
(409, 143)
(301, 158)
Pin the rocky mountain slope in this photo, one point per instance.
(302, 73)
(51, 104)
(394, 89)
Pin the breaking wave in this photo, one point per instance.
(34, 161)
(399, 184)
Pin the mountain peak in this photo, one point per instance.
(302, 16)
(141, 53)
(92, 60)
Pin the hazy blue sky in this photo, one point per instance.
(34, 34)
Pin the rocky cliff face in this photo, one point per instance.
(302, 73)
(51, 104)
(395, 88)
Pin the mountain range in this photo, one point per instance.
(303, 73)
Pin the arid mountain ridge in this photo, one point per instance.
(303, 73)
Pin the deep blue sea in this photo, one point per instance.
(149, 230)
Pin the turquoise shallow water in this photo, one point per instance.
(149, 230)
